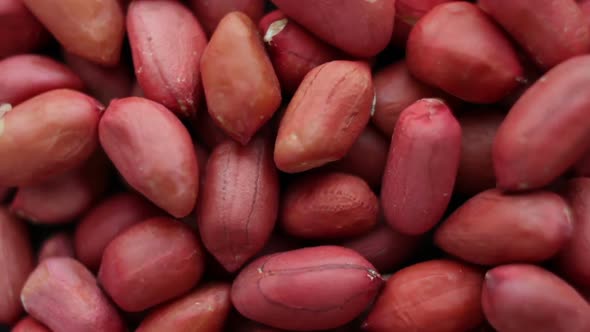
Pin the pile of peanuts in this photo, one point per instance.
(295, 165)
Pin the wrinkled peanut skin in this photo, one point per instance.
(241, 87)
(326, 116)
(239, 204)
(46, 135)
(433, 296)
(328, 205)
(314, 288)
(511, 292)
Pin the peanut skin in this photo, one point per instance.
(522, 297)
(314, 288)
(91, 29)
(29, 324)
(526, 153)
(20, 31)
(204, 310)
(459, 49)
(396, 89)
(107, 220)
(328, 113)
(27, 75)
(167, 68)
(328, 205)
(241, 87)
(65, 197)
(421, 167)
(210, 13)
(360, 28)
(294, 52)
(157, 141)
(366, 158)
(573, 260)
(493, 228)
(49, 134)
(407, 13)
(150, 263)
(433, 296)
(57, 245)
(476, 167)
(16, 257)
(551, 31)
(63, 295)
(239, 205)
(105, 83)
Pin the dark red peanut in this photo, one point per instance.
(433, 296)
(63, 295)
(241, 87)
(551, 31)
(325, 117)
(105, 83)
(274, 290)
(421, 167)
(204, 310)
(29, 324)
(65, 197)
(150, 263)
(328, 205)
(493, 228)
(138, 132)
(57, 245)
(366, 158)
(167, 68)
(107, 220)
(16, 258)
(385, 248)
(407, 13)
(27, 75)
(210, 13)
(527, 298)
(476, 167)
(459, 49)
(395, 90)
(91, 29)
(546, 131)
(239, 204)
(20, 31)
(49, 134)
(293, 51)
(573, 260)
(360, 28)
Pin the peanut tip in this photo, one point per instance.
(274, 29)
